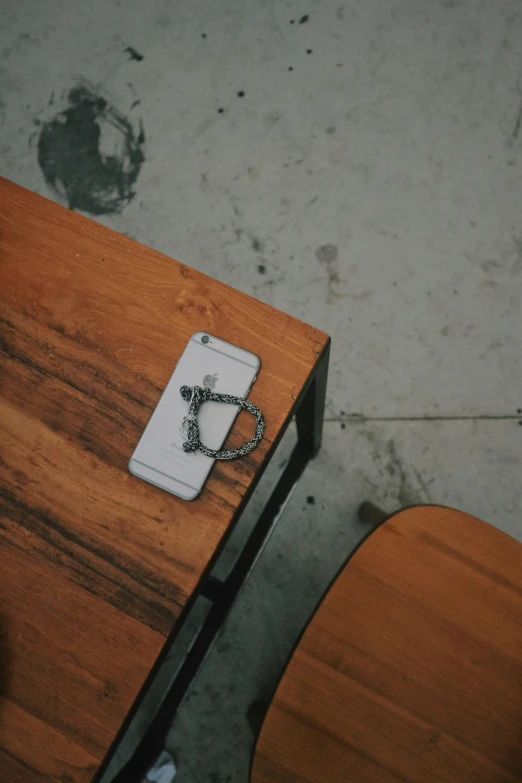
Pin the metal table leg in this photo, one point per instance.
(310, 414)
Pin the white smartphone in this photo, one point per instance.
(159, 457)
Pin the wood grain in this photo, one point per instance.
(411, 668)
(96, 565)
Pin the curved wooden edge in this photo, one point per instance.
(401, 512)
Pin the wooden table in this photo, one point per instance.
(97, 568)
(411, 667)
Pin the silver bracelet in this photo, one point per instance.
(195, 396)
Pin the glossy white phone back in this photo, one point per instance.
(159, 457)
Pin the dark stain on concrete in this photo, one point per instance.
(257, 245)
(134, 54)
(402, 481)
(409, 493)
(304, 19)
(72, 161)
(327, 254)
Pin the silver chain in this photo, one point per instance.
(195, 395)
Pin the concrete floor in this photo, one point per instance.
(371, 186)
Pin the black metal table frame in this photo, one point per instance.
(309, 411)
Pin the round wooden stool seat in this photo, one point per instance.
(411, 667)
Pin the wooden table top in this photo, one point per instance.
(411, 668)
(95, 564)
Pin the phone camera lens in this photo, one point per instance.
(205, 339)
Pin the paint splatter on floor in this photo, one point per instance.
(134, 54)
(90, 153)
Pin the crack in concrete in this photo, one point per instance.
(357, 418)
